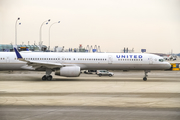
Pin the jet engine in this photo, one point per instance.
(72, 71)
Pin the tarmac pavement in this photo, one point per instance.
(24, 96)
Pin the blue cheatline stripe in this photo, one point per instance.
(17, 53)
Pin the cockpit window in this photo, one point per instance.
(161, 60)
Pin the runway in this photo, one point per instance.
(124, 96)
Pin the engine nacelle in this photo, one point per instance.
(73, 71)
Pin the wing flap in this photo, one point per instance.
(37, 64)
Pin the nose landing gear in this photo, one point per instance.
(145, 76)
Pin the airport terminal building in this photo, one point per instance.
(9, 47)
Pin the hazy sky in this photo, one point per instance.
(113, 24)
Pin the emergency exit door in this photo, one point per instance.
(7, 59)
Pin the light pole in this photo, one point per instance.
(40, 32)
(49, 31)
(16, 32)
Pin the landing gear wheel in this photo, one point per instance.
(145, 78)
(49, 78)
(44, 77)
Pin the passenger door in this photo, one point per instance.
(150, 60)
(110, 59)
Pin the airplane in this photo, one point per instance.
(71, 64)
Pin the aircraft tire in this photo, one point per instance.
(44, 77)
(49, 78)
(145, 79)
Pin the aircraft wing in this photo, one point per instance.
(37, 65)
(43, 65)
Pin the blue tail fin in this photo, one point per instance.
(17, 53)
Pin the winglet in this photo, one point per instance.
(18, 54)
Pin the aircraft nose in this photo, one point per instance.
(168, 65)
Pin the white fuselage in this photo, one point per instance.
(86, 61)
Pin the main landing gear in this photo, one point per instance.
(145, 76)
(49, 78)
(48, 75)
